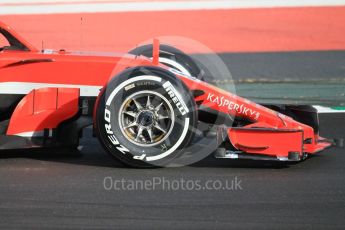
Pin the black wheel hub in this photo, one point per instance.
(146, 118)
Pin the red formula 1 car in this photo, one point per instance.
(145, 107)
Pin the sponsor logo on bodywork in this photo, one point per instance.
(240, 109)
(175, 97)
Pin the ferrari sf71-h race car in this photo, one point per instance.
(146, 107)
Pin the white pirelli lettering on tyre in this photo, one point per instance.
(111, 136)
(107, 119)
(175, 97)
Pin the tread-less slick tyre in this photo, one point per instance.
(146, 117)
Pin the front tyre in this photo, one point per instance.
(146, 117)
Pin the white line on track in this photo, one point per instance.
(8, 7)
(323, 109)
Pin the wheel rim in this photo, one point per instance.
(146, 118)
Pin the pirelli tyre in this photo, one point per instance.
(176, 59)
(146, 117)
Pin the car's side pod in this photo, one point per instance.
(45, 115)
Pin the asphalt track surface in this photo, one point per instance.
(304, 77)
(289, 66)
(65, 189)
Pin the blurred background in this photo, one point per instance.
(277, 51)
